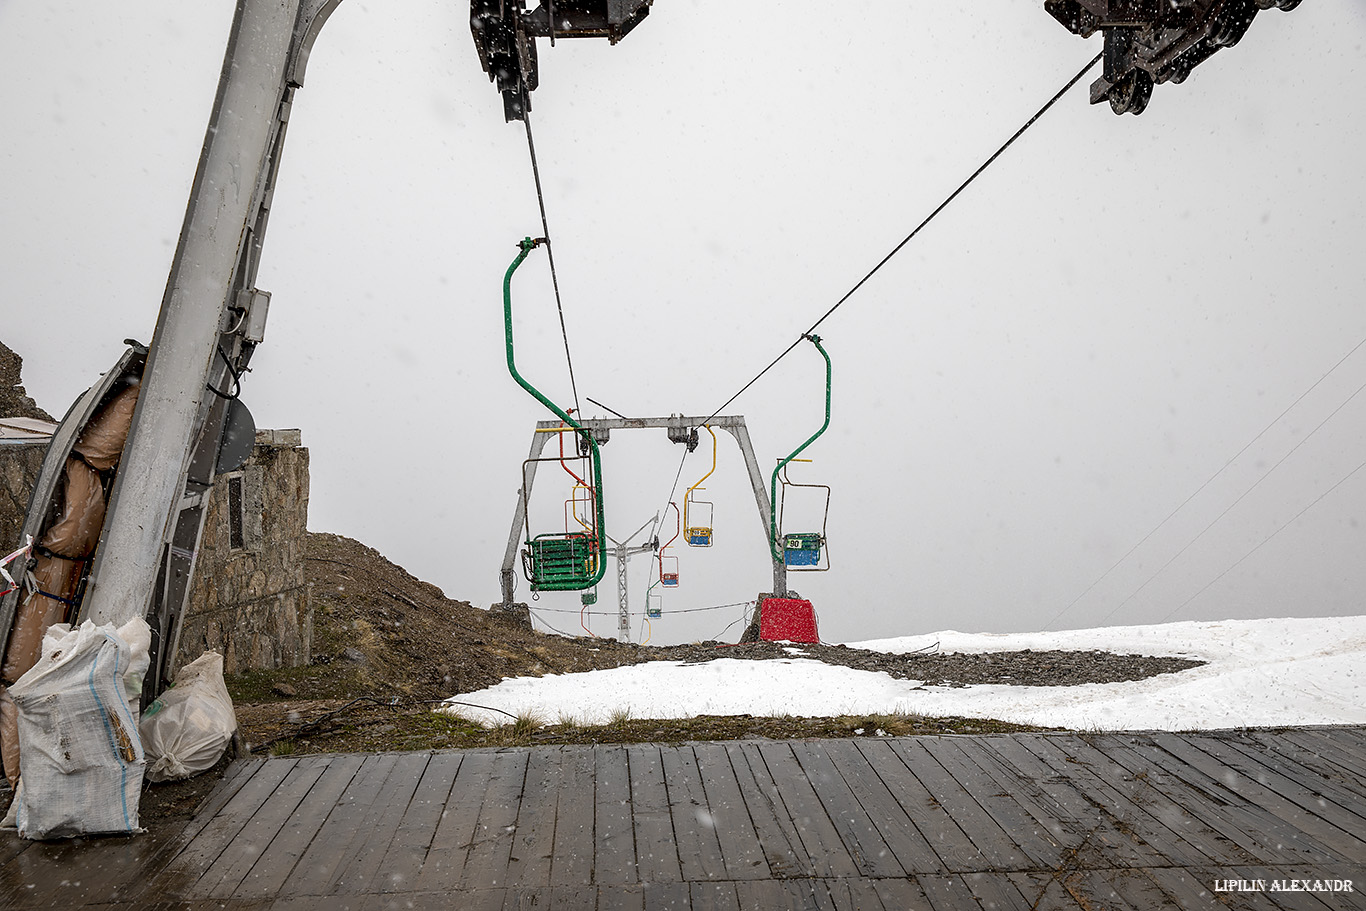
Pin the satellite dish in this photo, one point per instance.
(239, 436)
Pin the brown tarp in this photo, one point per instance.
(9, 737)
(77, 530)
(101, 442)
(55, 576)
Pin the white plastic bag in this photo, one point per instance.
(186, 730)
(78, 733)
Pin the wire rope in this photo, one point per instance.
(550, 254)
(1264, 541)
(918, 228)
(1161, 569)
(598, 613)
(1182, 505)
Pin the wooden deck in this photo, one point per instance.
(1048, 821)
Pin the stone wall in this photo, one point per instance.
(250, 601)
(19, 464)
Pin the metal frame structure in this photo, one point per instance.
(679, 428)
(212, 318)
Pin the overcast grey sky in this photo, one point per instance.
(1081, 340)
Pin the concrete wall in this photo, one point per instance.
(250, 601)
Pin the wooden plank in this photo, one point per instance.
(829, 854)
(784, 854)
(901, 894)
(742, 854)
(1045, 892)
(200, 853)
(572, 898)
(339, 826)
(72, 873)
(713, 896)
(1233, 822)
(996, 849)
(1322, 754)
(948, 840)
(1278, 817)
(1338, 744)
(900, 832)
(485, 900)
(1193, 887)
(627, 897)
(1095, 889)
(413, 835)
(863, 896)
(496, 826)
(614, 840)
(1287, 757)
(948, 892)
(1137, 889)
(572, 864)
(997, 892)
(699, 849)
(1076, 815)
(268, 876)
(1285, 900)
(234, 777)
(381, 825)
(806, 894)
(833, 894)
(959, 757)
(533, 843)
(365, 852)
(763, 895)
(1113, 809)
(1338, 820)
(857, 832)
(11, 846)
(450, 846)
(674, 896)
(1093, 777)
(656, 849)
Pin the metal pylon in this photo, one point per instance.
(623, 553)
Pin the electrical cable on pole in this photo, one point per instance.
(550, 253)
(907, 239)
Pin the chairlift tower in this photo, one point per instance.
(623, 552)
(681, 429)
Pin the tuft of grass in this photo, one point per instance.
(282, 748)
(527, 723)
(619, 716)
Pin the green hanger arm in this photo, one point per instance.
(526, 246)
(773, 483)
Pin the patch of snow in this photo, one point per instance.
(1259, 673)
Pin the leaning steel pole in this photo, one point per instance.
(267, 49)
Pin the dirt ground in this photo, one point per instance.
(386, 646)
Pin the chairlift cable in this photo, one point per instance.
(907, 239)
(605, 408)
(1189, 544)
(1264, 541)
(1182, 505)
(550, 253)
(612, 613)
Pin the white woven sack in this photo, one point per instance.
(82, 757)
(187, 729)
